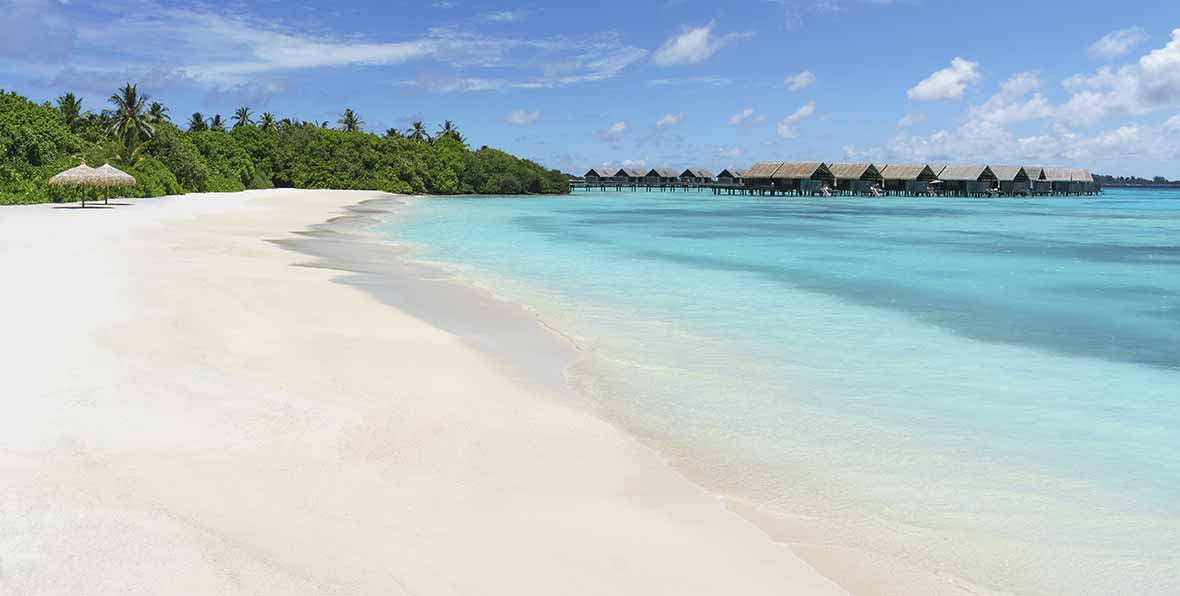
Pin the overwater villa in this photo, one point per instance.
(967, 181)
(910, 179)
(731, 176)
(856, 178)
(1014, 180)
(661, 176)
(696, 176)
(852, 178)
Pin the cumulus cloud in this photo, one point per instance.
(948, 83)
(1117, 44)
(911, 119)
(522, 117)
(505, 16)
(1013, 103)
(798, 82)
(731, 152)
(786, 126)
(613, 132)
(693, 45)
(669, 120)
(1150, 84)
(747, 116)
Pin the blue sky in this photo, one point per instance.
(674, 83)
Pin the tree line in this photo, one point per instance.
(212, 154)
(1105, 180)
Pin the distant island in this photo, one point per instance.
(244, 151)
(1158, 181)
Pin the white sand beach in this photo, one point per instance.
(187, 411)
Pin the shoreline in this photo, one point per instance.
(198, 407)
(344, 243)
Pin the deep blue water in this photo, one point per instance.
(986, 388)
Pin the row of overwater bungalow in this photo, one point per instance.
(808, 178)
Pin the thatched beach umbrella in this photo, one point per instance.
(86, 176)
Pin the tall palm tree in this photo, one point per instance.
(267, 122)
(157, 113)
(216, 123)
(448, 130)
(394, 133)
(196, 122)
(417, 132)
(242, 118)
(70, 107)
(349, 121)
(129, 122)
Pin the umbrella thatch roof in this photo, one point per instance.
(115, 177)
(85, 175)
(82, 175)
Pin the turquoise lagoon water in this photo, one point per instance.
(986, 390)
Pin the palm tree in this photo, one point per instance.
(267, 122)
(418, 132)
(157, 113)
(216, 123)
(242, 118)
(448, 130)
(196, 122)
(349, 121)
(394, 133)
(129, 122)
(70, 107)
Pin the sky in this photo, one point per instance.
(673, 83)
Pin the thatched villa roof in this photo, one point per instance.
(1008, 173)
(662, 173)
(1034, 172)
(1058, 174)
(853, 171)
(631, 172)
(763, 169)
(601, 173)
(800, 170)
(907, 171)
(961, 173)
(1079, 175)
(731, 173)
(697, 173)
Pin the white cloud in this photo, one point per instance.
(1173, 123)
(613, 132)
(1117, 43)
(948, 83)
(731, 152)
(634, 163)
(36, 30)
(1012, 103)
(505, 16)
(786, 126)
(693, 45)
(1152, 83)
(798, 82)
(747, 116)
(669, 120)
(522, 117)
(713, 80)
(911, 119)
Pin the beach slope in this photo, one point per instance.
(188, 411)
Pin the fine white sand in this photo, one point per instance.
(183, 410)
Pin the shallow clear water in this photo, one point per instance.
(986, 389)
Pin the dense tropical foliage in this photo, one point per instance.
(210, 154)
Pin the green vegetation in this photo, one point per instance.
(137, 135)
